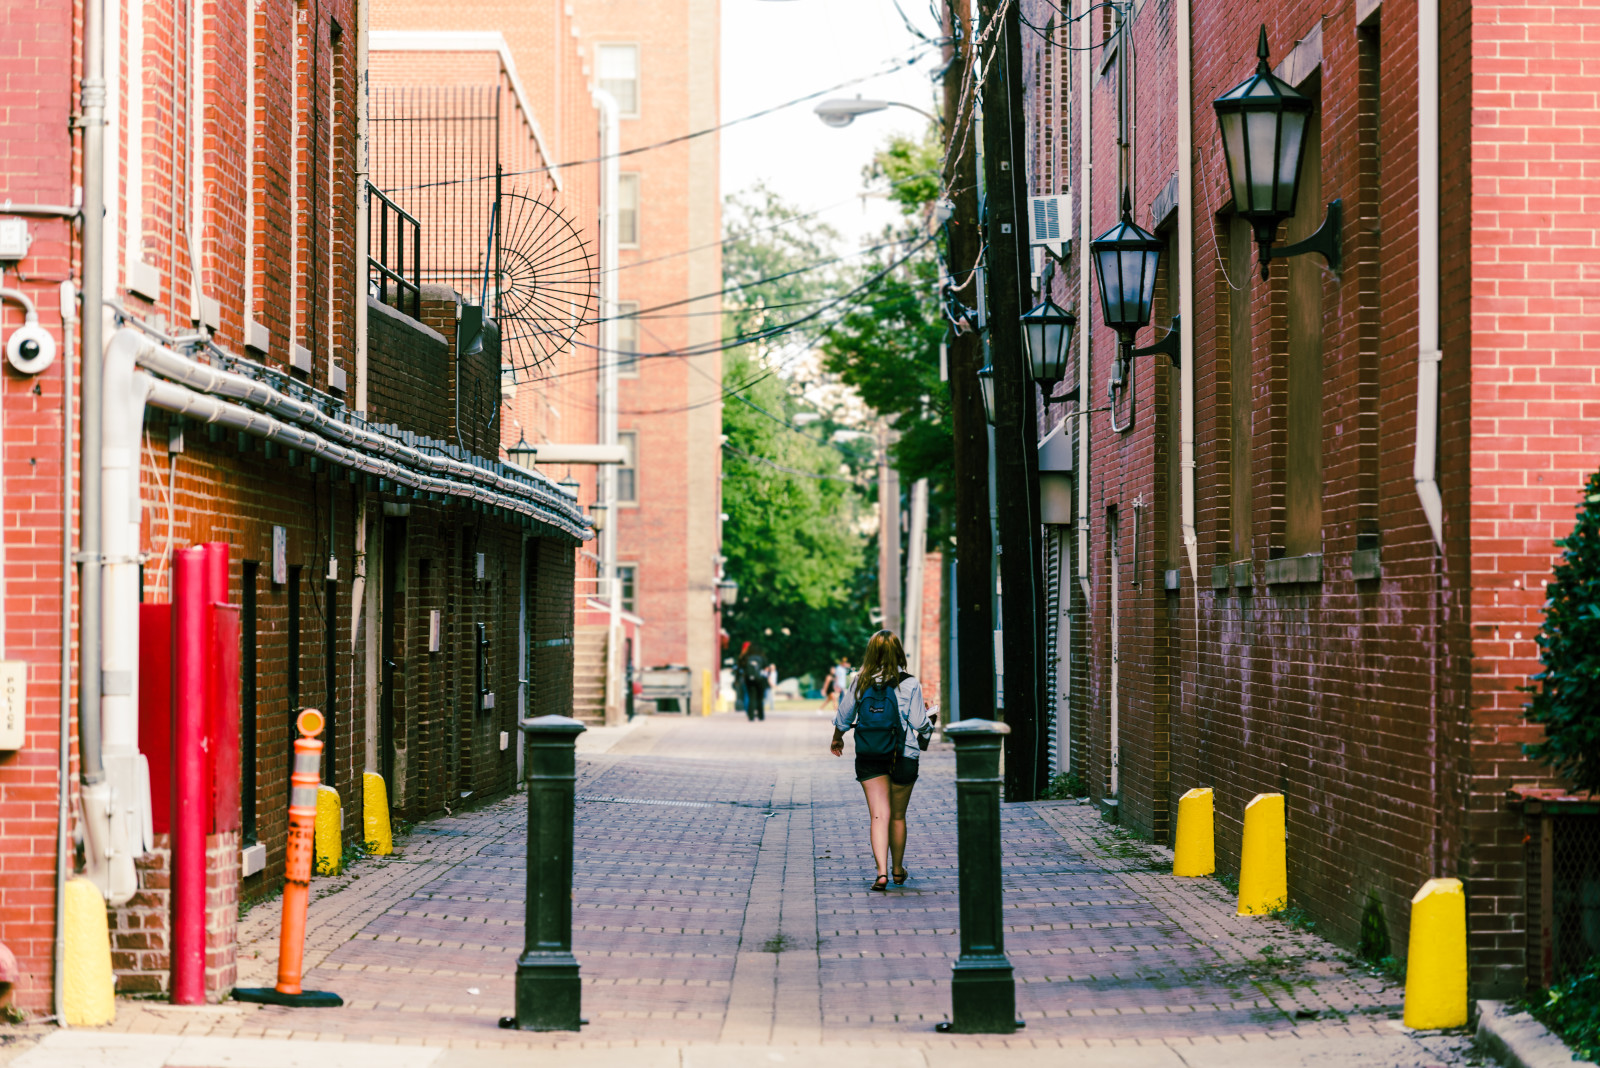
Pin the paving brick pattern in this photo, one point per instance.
(706, 844)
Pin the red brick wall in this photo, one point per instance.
(1386, 710)
(38, 166)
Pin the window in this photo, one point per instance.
(628, 210)
(1302, 491)
(619, 76)
(628, 573)
(627, 471)
(1241, 275)
(627, 339)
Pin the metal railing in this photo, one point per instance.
(392, 232)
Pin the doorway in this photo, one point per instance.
(391, 609)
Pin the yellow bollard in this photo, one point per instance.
(1264, 861)
(1436, 965)
(1194, 850)
(329, 847)
(88, 992)
(375, 809)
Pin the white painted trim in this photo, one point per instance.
(1304, 59)
(469, 41)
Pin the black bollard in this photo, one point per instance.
(983, 994)
(549, 997)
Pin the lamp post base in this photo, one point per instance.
(548, 992)
(306, 999)
(983, 998)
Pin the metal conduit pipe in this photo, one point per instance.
(211, 380)
(1424, 466)
(172, 397)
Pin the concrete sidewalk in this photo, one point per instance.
(722, 916)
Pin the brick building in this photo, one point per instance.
(658, 62)
(387, 566)
(1346, 605)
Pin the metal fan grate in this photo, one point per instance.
(547, 281)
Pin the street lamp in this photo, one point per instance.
(1264, 121)
(522, 454)
(986, 386)
(1126, 257)
(1047, 333)
(841, 111)
(597, 516)
(730, 592)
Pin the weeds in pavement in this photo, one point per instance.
(262, 899)
(1229, 881)
(1066, 786)
(777, 943)
(13, 1015)
(1296, 917)
(1571, 1009)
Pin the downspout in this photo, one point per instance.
(1424, 462)
(126, 772)
(193, 136)
(69, 317)
(363, 250)
(1186, 292)
(610, 147)
(1085, 299)
(96, 793)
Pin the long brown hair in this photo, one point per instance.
(882, 663)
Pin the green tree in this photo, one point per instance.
(794, 498)
(887, 347)
(1566, 694)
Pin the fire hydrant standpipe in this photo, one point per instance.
(303, 783)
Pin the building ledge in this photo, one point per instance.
(1292, 569)
(1365, 565)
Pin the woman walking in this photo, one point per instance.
(883, 705)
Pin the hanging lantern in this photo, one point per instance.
(986, 387)
(1264, 121)
(1047, 333)
(1125, 258)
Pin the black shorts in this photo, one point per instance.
(901, 772)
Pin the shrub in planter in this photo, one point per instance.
(1566, 694)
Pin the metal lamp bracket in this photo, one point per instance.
(1326, 241)
(1168, 345)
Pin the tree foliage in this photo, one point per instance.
(794, 499)
(1566, 694)
(887, 348)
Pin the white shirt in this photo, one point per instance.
(913, 713)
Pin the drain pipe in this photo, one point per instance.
(69, 318)
(605, 477)
(1085, 301)
(1425, 460)
(363, 171)
(96, 793)
(1191, 543)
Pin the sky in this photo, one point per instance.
(776, 50)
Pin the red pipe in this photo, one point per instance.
(216, 572)
(190, 790)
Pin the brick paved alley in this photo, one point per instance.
(722, 898)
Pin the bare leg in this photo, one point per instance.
(899, 800)
(877, 791)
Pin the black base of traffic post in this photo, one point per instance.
(306, 999)
(983, 993)
(548, 990)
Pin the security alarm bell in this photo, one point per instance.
(30, 349)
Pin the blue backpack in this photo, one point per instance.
(879, 732)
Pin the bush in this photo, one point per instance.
(1066, 786)
(1566, 694)
(1571, 1009)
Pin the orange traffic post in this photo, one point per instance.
(303, 783)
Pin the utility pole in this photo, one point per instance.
(889, 590)
(972, 595)
(1016, 403)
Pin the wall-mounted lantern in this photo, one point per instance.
(1047, 334)
(1057, 501)
(986, 387)
(729, 589)
(1264, 121)
(1126, 258)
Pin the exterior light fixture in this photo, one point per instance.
(841, 111)
(569, 486)
(522, 454)
(729, 589)
(1047, 333)
(986, 387)
(1125, 258)
(597, 515)
(1264, 121)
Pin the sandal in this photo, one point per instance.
(901, 876)
(881, 884)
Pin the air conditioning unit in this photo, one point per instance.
(1049, 222)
